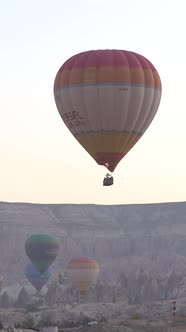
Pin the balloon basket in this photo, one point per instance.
(108, 180)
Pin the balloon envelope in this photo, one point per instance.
(82, 273)
(42, 250)
(37, 279)
(107, 99)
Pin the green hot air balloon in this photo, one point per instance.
(42, 250)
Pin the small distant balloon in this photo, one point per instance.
(42, 250)
(37, 279)
(82, 273)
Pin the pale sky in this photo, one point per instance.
(40, 160)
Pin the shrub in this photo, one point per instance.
(136, 316)
(46, 320)
(28, 323)
(31, 307)
(103, 320)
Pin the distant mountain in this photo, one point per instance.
(122, 238)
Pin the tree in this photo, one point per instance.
(51, 295)
(23, 298)
(131, 288)
(5, 301)
(99, 289)
(61, 278)
(174, 282)
(47, 319)
(122, 280)
(28, 323)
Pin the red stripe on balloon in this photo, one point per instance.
(109, 159)
(103, 58)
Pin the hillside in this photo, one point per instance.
(122, 238)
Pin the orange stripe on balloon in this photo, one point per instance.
(108, 147)
(108, 75)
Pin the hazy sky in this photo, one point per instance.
(39, 158)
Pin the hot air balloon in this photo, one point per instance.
(107, 99)
(82, 273)
(37, 279)
(42, 250)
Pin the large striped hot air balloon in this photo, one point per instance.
(42, 250)
(82, 273)
(107, 99)
(37, 279)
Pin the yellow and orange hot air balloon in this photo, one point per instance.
(107, 99)
(82, 273)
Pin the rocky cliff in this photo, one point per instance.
(122, 238)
